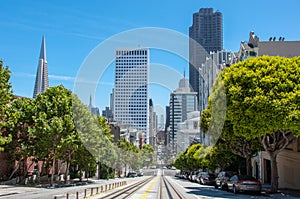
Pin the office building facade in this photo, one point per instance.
(131, 93)
(206, 35)
(182, 101)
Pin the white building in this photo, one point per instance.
(182, 101)
(131, 93)
(209, 71)
(188, 131)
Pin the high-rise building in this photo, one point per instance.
(182, 101)
(41, 81)
(206, 33)
(214, 64)
(151, 123)
(108, 114)
(131, 93)
(167, 126)
(92, 108)
(111, 100)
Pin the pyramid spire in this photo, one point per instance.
(91, 101)
(41, 81)
(43, 49)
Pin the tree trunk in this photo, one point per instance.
(53, 171)
(99, 170)
(80, 175)
(274, 173)
(107, 173)
(273, 144)
(249, 165)
(15, 170)
(125, 170)
(67, 172)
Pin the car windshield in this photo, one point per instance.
(229, 174)
(244, 177)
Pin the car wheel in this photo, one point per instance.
(234, 190)
(222, 186)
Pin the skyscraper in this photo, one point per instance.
(41, 81)
(207, 31)
(131, 93)
(92, 108)
(151, 123)
(182, 101)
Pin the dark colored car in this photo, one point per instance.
(132, 174)
(207, 178)
(238, 183)
(222, 178)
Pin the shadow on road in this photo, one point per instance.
(217, 193)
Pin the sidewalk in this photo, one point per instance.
(266, 189)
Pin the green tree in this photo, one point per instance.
(20, 120)
(95, 135)
(180, 161)
(193, 156)
(202, 156)
(6, 95)
(129, 154)
(84, 160)
(263, 101)
(53, 124)
(238, 145)
(105, 127)
(147, 153)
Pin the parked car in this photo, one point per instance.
(222, 178)
(198, 176)
(186, 175)
(139, 173)
(132, 174)
(194, 176)
(238, 183)
(207, 178)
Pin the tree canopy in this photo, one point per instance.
(6, 95)
(263, 95)
(263, 101)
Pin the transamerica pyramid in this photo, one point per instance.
(41, 81)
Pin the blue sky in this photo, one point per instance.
(74, 28)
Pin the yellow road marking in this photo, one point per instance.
(146, 193)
